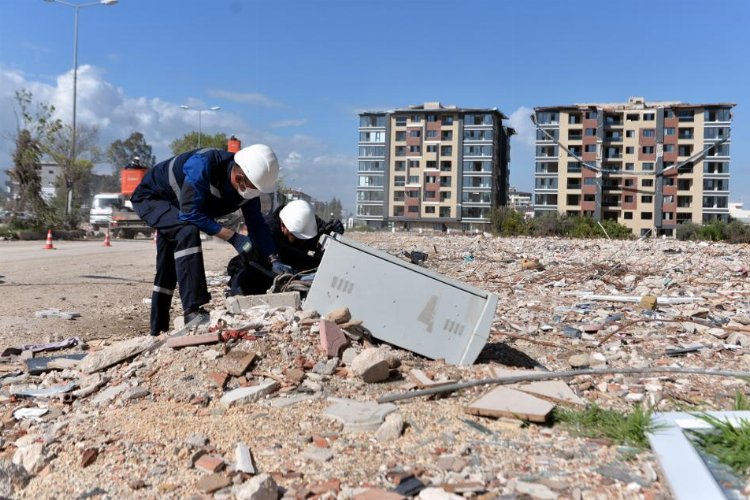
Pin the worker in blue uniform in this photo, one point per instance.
(182, 196)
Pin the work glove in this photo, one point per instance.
(241, 243)
(333, 226)
(280, 268)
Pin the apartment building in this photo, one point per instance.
(432, 166)
(647, 165)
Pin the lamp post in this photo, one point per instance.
(76, 8)
(200, 112)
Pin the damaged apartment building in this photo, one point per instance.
(648, 165)
(432, 167)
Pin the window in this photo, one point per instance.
(685, 150)
(415, 149)
(431, 164)
(416, 119)
(648, 132)
(447, 120)
(629, 150)
(413, 163)
(717, 115)
(372, 136)
(400, 150)
(685, 115)
(398, 211)
(400, 121)
(647, 182)
(429, 210)
(446, 150)
(445, 195)
(590, 148)
(647, 215)
(668, 113)
(630, 133)
(630, 166)
(542, 117)
(669, 148)
(629, 198)
(629, 182)
(415, 133)
(371, 165)
(372, 121)
(445, 180)
(399, 166)
(372, 151)
(445, 211)
(399, 180)
(446, 135)
(371, 180)
(413, 209)
(647, 198)
(627, 215)
(430, 179)
(431, 148)
(432, 134)
(413, 179)
(574, 118)
(669, 131)
(591, 115)
(647, 150)
(369, 195)
(588, 181)
(401, 135)
(412, 194)
(647, 166)
(446, 165)
(632, 117)
(648, 117)
(574, 167)
(431, 118)
(590, 132)
(398, 196)
(429, 195)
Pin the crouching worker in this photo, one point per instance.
(184, 195)
(296, 232)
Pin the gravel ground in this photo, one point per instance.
(143, 443)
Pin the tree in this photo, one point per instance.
(34, 128)
(74, 180)
(120, 153)
(188, 142)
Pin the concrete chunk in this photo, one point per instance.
(422, 381)
(236, 363)
(391, 429)
(238, 303)
(371, 365)
(213, 482)
(244, 395)
(190, 340)
(243, 459)
(261, 487)
(359, 416)
(116, 353)
(505, 402)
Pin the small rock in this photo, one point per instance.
(318, 454)
(260, 487)
(371, 365)
(437, 494)
(391, 429)
(648, 302)
(248, 394)
(534, 490)
(339, 315)
(210, 463)
(579, 361)
(196, 441)
(135, 393)
(243, 459)
(213, 482)
(348, 356)
(31, 457)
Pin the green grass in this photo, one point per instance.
(595, 422)
(741, 403)
(728, 442)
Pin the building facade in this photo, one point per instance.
(432, 166)
(647, 165)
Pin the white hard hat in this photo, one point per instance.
(259, 164)
(299, 218)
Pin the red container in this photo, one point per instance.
(130, 178)
(233, 145)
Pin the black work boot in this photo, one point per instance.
(195, 317)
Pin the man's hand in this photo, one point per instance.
(279, 267)
(333, 226)
(241, 243)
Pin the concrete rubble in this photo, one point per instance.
(179, 416)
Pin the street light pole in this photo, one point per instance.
(200, 123)
(76, 8)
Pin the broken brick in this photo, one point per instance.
(332, 339)
(218, 378)
(236, 363)
(214, 482)
(89, 457)
(210, 463)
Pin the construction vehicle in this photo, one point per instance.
(124, 222)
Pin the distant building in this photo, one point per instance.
(634, 148)
(520, 200)
(432, 166)
(736, 211)
(48, 174)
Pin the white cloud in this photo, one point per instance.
(288, 123)
(520, 120)
(316, 167)
(254, 98)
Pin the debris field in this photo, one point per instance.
(270, 400)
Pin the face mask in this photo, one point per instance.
(248, 193)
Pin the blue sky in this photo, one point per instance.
(294, 74)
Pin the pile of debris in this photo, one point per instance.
(270, 400)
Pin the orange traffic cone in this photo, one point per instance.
(106, 240)
(48, 245)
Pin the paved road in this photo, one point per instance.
(18, 251)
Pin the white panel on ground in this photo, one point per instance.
(403, 304)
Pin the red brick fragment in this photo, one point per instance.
(188, 340)
(332, 338)
(210, 463)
